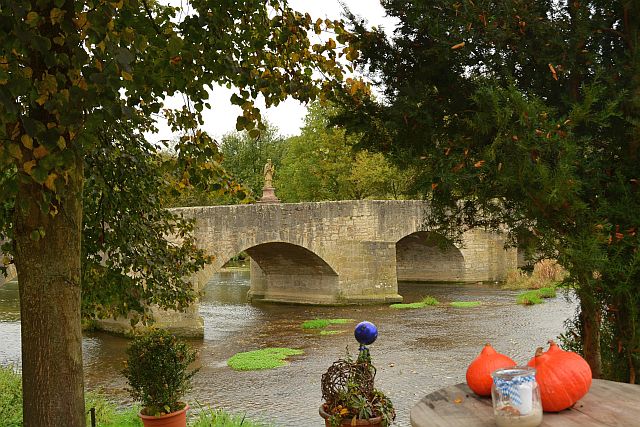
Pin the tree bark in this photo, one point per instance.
(590, 323)
(50, 304)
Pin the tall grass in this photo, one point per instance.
(546, 273)
(108, 414)
(210, 417)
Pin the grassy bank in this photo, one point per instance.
(108, 414)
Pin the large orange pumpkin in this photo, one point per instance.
(564, 377)
(479, 371)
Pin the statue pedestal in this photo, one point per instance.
(268, 196)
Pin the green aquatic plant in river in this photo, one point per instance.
(323, 323)
(331, 332)
(535, 297)
(529, 298)
(266, 358)
(424, 302)
(549, 292)
(465, 304)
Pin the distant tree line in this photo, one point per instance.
(322, 163)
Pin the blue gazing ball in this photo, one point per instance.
(366, 333)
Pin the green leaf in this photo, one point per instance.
(124, 56)
(241, 122)
(32, 18)
(42, 44)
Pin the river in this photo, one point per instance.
(417, 351)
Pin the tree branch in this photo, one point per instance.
(153, 22)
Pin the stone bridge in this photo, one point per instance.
(342, 252)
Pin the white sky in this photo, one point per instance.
(288, 117)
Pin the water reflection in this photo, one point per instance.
(418, 351)
(9, 302)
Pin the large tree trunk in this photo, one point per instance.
(590, 320)
(49, 281)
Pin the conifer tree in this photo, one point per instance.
(525, 113)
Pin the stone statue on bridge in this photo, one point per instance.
(268, 192)
(269, 169)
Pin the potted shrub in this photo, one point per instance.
(158, 376)
(350, 398)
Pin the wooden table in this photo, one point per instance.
(608, 403)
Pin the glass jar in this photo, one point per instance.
(516, 397)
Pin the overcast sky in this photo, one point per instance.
(288, 116)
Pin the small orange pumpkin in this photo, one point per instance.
(479, 371)
(564, 377)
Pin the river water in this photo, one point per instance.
(417, 351)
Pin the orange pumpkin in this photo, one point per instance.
(564, 377)
(479, 371)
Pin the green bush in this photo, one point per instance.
(266, 358)
(10, 397)
(157, 371)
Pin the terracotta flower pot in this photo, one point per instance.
(371, 422)
(174, 419)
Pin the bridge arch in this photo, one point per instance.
(283, 272)
(425, 256)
